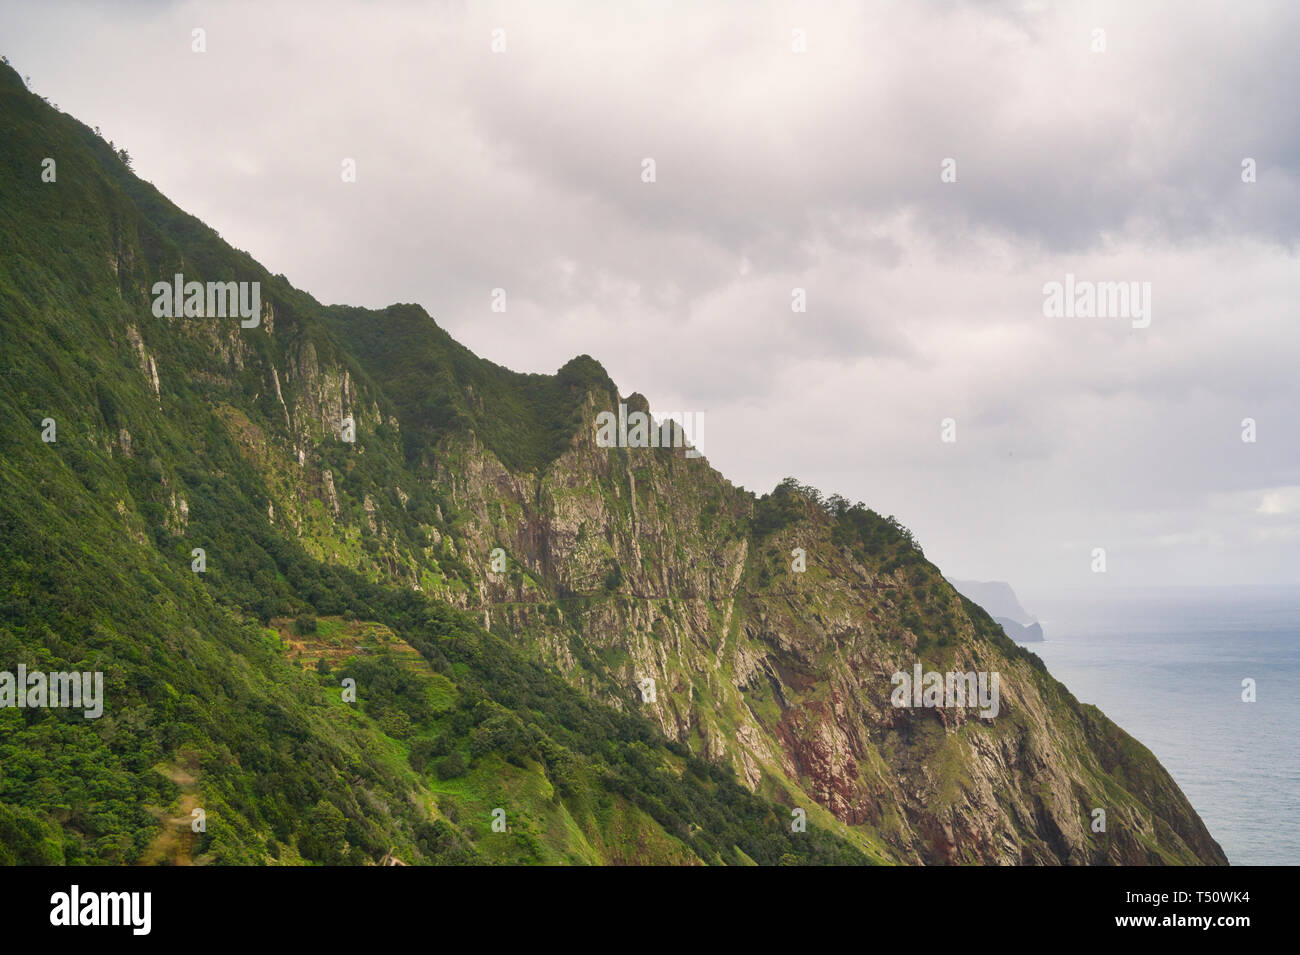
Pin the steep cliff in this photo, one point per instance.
(588, 638)
(628, 563)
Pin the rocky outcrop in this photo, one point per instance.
(623, 565)
(771, 629)
(1021, 634)
(650, 557)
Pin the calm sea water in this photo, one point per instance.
(1167, 666)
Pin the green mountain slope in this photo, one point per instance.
(331, 560)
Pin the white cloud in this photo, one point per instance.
(779, 170)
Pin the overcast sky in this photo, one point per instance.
(776, 170)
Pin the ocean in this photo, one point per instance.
(1167, 665)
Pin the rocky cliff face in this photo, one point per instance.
(763, 633)
(623, 565)
(634, 563)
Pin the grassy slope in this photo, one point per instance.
(94, 575)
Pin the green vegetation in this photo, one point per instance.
(96, 575)
(201, 534)
(439, 387)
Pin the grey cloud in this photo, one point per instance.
(775, 170)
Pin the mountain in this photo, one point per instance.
(995, 596)
(1000, 601)
(1018, 632)
(560, 651)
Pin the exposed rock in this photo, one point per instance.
(328, 479)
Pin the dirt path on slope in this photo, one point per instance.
(175, 844)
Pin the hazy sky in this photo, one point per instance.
(777, 170)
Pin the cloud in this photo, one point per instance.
(778, 170)
(1283, 500)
